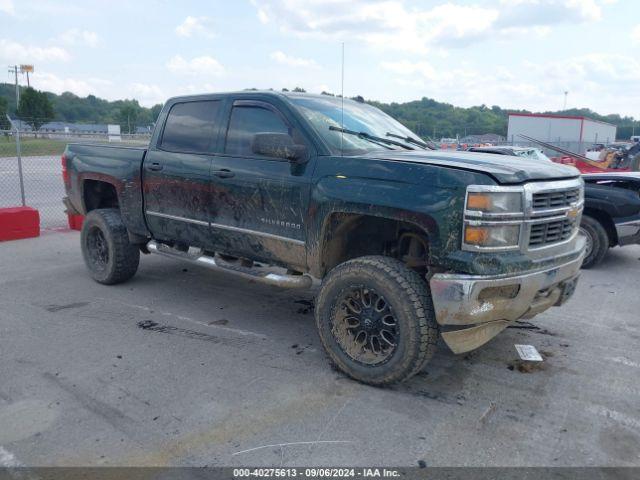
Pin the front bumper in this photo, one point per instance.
(478, 307)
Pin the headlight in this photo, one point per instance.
(492, 236)
(495, 202)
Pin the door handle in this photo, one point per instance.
(224, 173)
(155, 166)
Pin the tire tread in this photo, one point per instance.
(421, 309)
(126, 255)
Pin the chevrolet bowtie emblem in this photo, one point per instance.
(573, 212)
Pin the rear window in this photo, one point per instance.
(191, 127)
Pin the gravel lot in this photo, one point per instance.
(231, 373)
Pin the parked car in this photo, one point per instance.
(612, 213)
(411, 244)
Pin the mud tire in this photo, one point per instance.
(598, 238)
(106, 249)
(410, 298)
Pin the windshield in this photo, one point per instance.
(324, 113)
(532, 153)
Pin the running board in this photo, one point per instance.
(270, 278)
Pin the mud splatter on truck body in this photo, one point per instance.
(258, 177)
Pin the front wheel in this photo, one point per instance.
(597, 241)
(106, 249)
(376, 320)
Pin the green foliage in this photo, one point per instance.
(35, 108)
(128, 115)
(154, 112)
(429, 118)
(4, 108)
(69, 107)
(8, 93)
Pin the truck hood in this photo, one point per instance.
(506, 169)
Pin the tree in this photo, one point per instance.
(4, 108)
(128, 115)
(35, 108)
(155, 112)
(299, 89)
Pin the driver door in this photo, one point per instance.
(259, 203)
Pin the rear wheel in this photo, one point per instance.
(106, 249)
(597, 241)
(376, 320)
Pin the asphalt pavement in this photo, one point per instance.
(184, 366)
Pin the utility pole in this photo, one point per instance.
(566, 92)
(14, 69)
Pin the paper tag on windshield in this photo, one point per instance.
(528, 353)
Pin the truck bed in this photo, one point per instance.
(120, 166)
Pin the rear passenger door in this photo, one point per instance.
(259, 203)
(176, 173)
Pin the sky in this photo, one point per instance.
(521, 54)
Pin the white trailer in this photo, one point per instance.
(572, 132)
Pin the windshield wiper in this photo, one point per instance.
(412, 141)
(384, 142)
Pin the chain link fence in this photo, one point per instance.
(31, 168)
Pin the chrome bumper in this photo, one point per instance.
(485, 305)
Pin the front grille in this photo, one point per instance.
(547, 233)
(547, 200)
(549, 220)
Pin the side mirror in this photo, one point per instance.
(278, 145)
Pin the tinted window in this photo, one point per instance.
(191, 127)
(245, 123)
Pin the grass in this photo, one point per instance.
(31, 146)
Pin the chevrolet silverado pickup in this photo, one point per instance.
(410, 244)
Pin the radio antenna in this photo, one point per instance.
(342, 107)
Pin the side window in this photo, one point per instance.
(191, 127)
(245, 122)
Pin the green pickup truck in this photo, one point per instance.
(410, 244)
